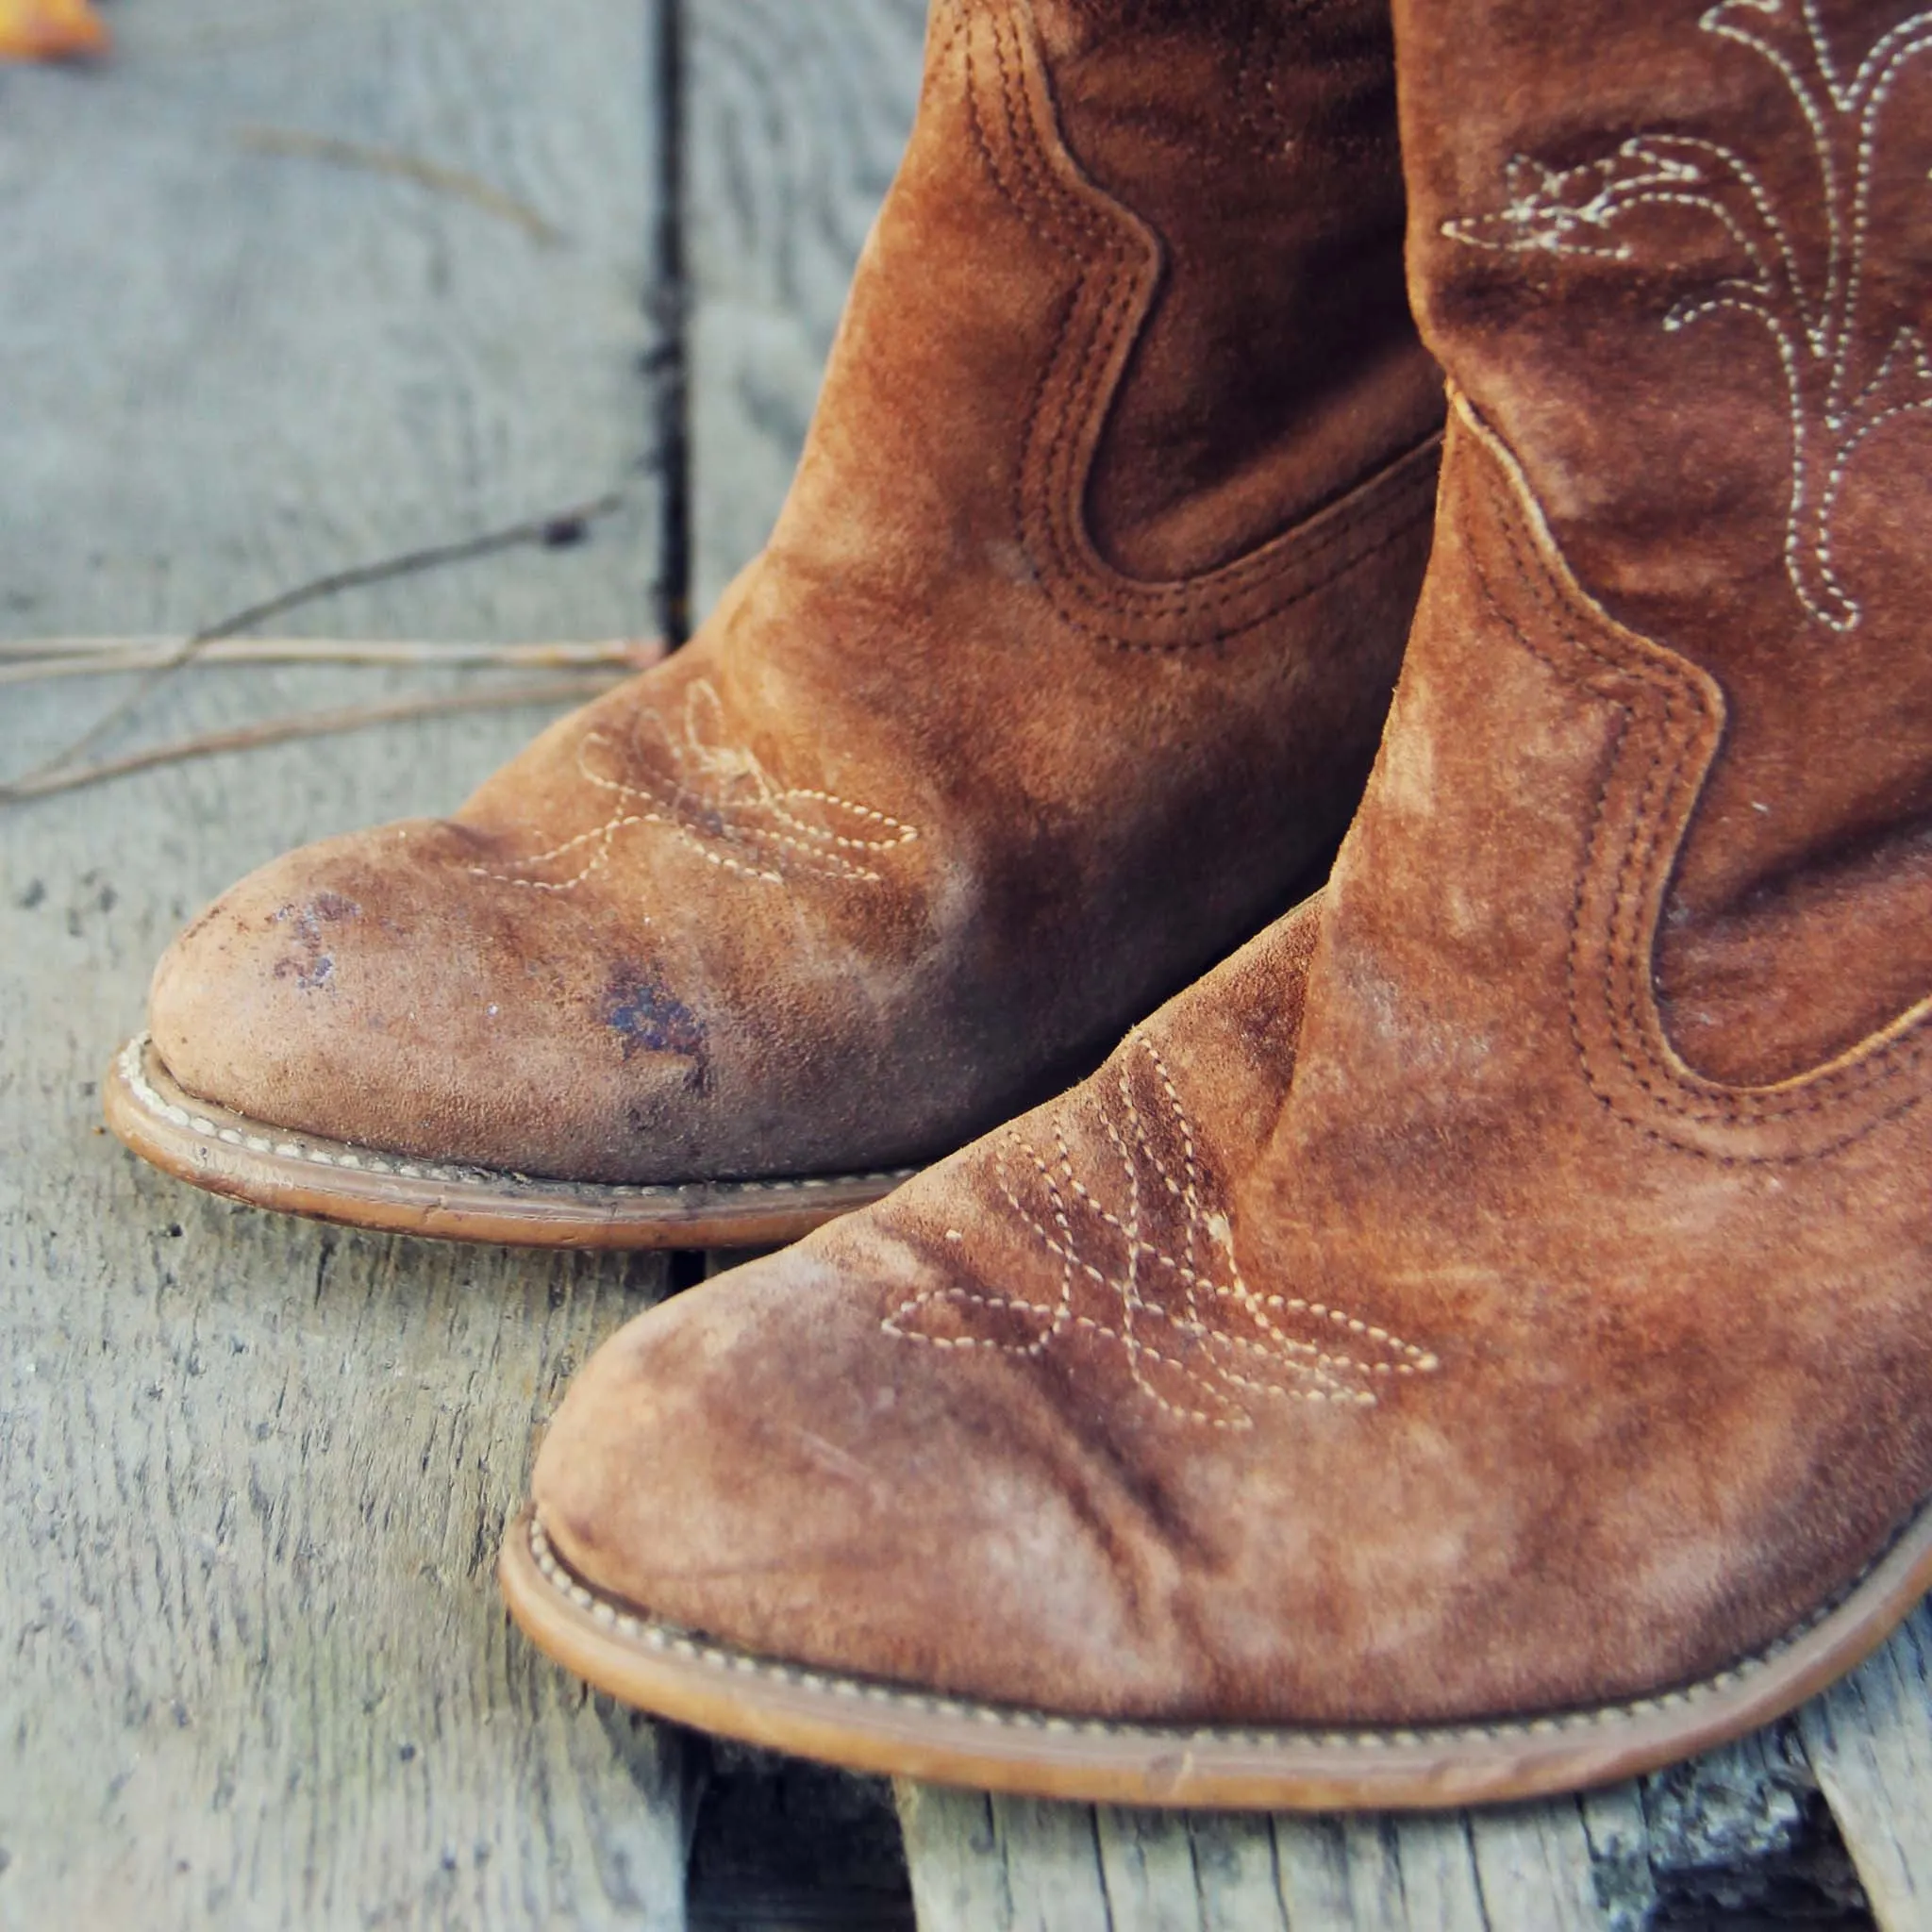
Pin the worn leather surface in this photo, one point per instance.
(1419, 1318)
(1682, 261)
(1064, 668)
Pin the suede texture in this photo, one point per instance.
(1064, 668)
(1393, 1331)
(1417, 1320)
(1681, 261)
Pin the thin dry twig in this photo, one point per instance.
(560, 527)
(44, 783)
(404, 167)
(27, 660)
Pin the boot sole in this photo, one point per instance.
(880, 1727)
(329, 1180)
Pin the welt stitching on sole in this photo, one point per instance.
(482, 1180)
(676, 1642)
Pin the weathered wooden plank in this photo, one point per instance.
(1050, 1857)
(251, 1470)
(952, 1849)
(1149, 1872)
(254, 1473)
(1617, 1833)
(796, 117)
(1870, 1741)
(1533, 1862)
(1433, 1868)
(247, 366)
(1335, 1872)
(1007, 1863)
(1235, 1870)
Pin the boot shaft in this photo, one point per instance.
(1151, 255)
(1677, 255)
(1257, 139)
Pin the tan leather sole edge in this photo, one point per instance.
(301, 1173)
(882, 1727)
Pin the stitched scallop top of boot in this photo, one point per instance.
(1479, 1340)
(1063, 667)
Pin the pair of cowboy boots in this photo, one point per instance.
(1476, 1340)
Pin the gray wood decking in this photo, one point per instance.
(252, 1471)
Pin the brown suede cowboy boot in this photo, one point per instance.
(1063, 669)
(1479, 1340)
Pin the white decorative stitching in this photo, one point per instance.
(1573, 211)
(1156, 1276)
(718, 799)
(134, 1075)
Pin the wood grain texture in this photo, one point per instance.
(795, 119)
(227, 369)
(1015, 1865)
(1870, 1741)
(253, 1471)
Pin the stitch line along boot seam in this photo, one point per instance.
(1089, 593)
(1639, 858)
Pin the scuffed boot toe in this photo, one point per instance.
(726, 1464)
(379, 990)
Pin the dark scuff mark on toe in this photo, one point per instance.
(312, 966)
(640, 1009)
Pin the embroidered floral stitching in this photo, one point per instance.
(719, 799)
(1817, 335)
(1197, 1337)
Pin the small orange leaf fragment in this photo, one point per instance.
(50, 30)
